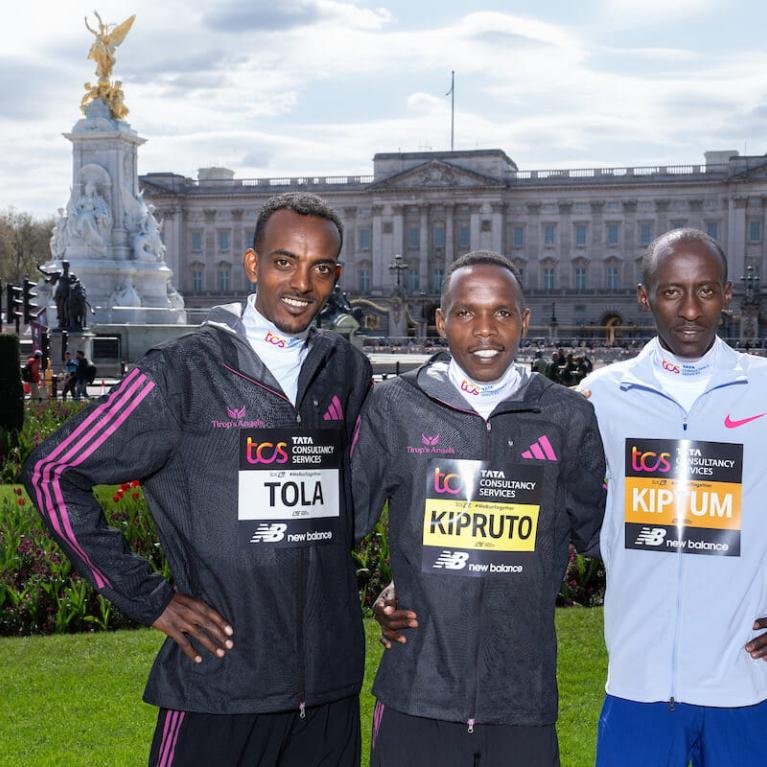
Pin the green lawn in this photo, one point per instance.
(75, 700)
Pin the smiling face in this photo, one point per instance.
(686, 294)
(295, 268)
(483, 319)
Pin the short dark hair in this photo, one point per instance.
(475, 258)
(303, 203)
(685, 234)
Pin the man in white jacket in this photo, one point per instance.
(684, 426)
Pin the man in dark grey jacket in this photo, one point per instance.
(239, 434)
(490, 472)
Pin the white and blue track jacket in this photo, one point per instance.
(685, 532)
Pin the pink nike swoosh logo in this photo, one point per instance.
(730, 424)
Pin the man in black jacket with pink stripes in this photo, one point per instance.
(239, 434)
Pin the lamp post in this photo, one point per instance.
(397, 313)
(750, 305)
(553, 324)
(396, 267)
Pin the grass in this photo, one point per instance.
(75, 700)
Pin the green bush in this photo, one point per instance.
(41, 420)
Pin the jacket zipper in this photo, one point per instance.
(301, 596)
(300, 591)
(474, 696)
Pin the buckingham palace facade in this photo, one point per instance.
(576, 236)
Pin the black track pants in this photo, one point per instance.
(400, 740)
(328, 736)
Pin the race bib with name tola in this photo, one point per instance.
(479, 517)
(683, 496)
(288, 492)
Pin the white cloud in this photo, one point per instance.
(264, 100)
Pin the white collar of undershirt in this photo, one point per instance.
(283, 353)
(483, 396)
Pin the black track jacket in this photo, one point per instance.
(180, 423)
(480, 518)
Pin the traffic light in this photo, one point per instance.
(45, 348)
(13, 310)
(28, 295)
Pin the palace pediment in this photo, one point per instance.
(435, 174)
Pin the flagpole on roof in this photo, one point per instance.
(451, 93)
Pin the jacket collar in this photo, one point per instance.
(239, 354)
(729, 369)
(432, 378)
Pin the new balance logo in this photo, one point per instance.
(334, 412)
(651, 536)
(269, 533)
(541, 449)
(451, 560)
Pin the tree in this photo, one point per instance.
(24, 243)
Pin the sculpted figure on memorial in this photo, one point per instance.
(59, 238)
(90, 219)
(125, 294)
(147, 243)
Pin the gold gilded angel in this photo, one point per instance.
(108, 37)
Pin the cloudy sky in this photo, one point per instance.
(292, 87)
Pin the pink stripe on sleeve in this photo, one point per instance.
(48, 470)
(61, 467)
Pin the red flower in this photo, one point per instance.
(21, 502)
(136, 496)
(116, 497)
(17, 490)
(135, 483)
(125, 486)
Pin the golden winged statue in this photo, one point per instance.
(107, 39)
(102, 51)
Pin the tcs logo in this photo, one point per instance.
(650, 461)
(671, 368)
(265, 452)
(469, 388)
(445, 482)
(275, 340)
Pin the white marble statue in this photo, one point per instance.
(90, 220)
(147, 242)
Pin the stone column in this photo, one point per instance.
(533, 244)
(239, 246)
(630, 241)
(661, 216)
(497, 209)
(565, 277)
(696, 214)
(377, 254)
(736, 245)
(597, 250)
(423, 250)
(449, 236)
(475, 218)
